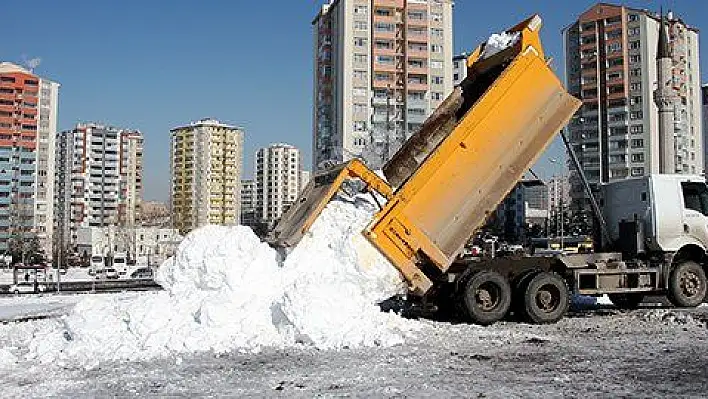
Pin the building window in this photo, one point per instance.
(436, 16)
(638, 157)
(436, 64)
(637, 171)
(383, 27)
(635, 44)
(633, 17)
(359, 126)
(637, 129)
(436, 48)
(361, 58)
(361, 25)
(638, 143)
(438, 80)
(361, 9)
(636, 115)
(438, 96)
(384, 59)
(360, 41)
(359, 91)
(359, 75)
(436, 32)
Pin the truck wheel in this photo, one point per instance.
(546, 298)
(626, 301)
(487, 297)
(687, 285)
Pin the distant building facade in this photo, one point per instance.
(206, 162)
(249, 201)
(28, 124)
(524, 209)
(98, 179)
(381, 67)
(278, 181)
(614, 57)
(459, 68)
(151, 245)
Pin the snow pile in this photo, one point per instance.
(672, 318)
(225, 290)
(498, 42)
(7, 359)
(334, 278)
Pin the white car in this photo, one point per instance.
(27, 288)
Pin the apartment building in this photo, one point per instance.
(381, 67)
(524, 207)
(248, 202)
(278, 181)
(558, 192)
(615, 56)
(28, 124)
(98, 179)
(459, 68)
(206, 162)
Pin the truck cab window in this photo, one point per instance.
(695, 196)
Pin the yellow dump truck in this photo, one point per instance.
(451, 174)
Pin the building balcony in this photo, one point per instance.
(413, 85)
(389, 3)
(418, 70)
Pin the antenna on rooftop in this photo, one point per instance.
(31, 63)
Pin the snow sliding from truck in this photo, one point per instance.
(226, 290)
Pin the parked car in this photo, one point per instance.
(142, 273)
(111, 273)
(27, 288)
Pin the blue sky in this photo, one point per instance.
(153, 65)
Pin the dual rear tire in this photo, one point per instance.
(538, 297)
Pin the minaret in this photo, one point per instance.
(665, 98)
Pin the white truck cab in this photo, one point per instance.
(672, 209)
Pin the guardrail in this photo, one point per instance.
(89, 286)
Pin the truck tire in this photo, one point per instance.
(545, 299)
(486, 297)
(687, 285)
(627, 301)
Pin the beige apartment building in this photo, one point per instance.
(206, 162)
(615, 56)
(381, 67)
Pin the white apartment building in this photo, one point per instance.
(612, 61)
(278, 180)
(381, 67)
(459, 68)
(152, 245)
(98, 179)
(28, 125)
(206, 162)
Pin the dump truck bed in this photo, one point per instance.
(484, 139)
(451, 174)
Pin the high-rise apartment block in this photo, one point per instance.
(98, 179)
(381, 67)
(614, 59)
(206, 160)
(28, 124)
(278, 181)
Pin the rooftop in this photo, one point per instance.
(206, 122)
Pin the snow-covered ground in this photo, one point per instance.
(602, 353)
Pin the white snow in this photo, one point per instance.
(498, 42)
(226, 290)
